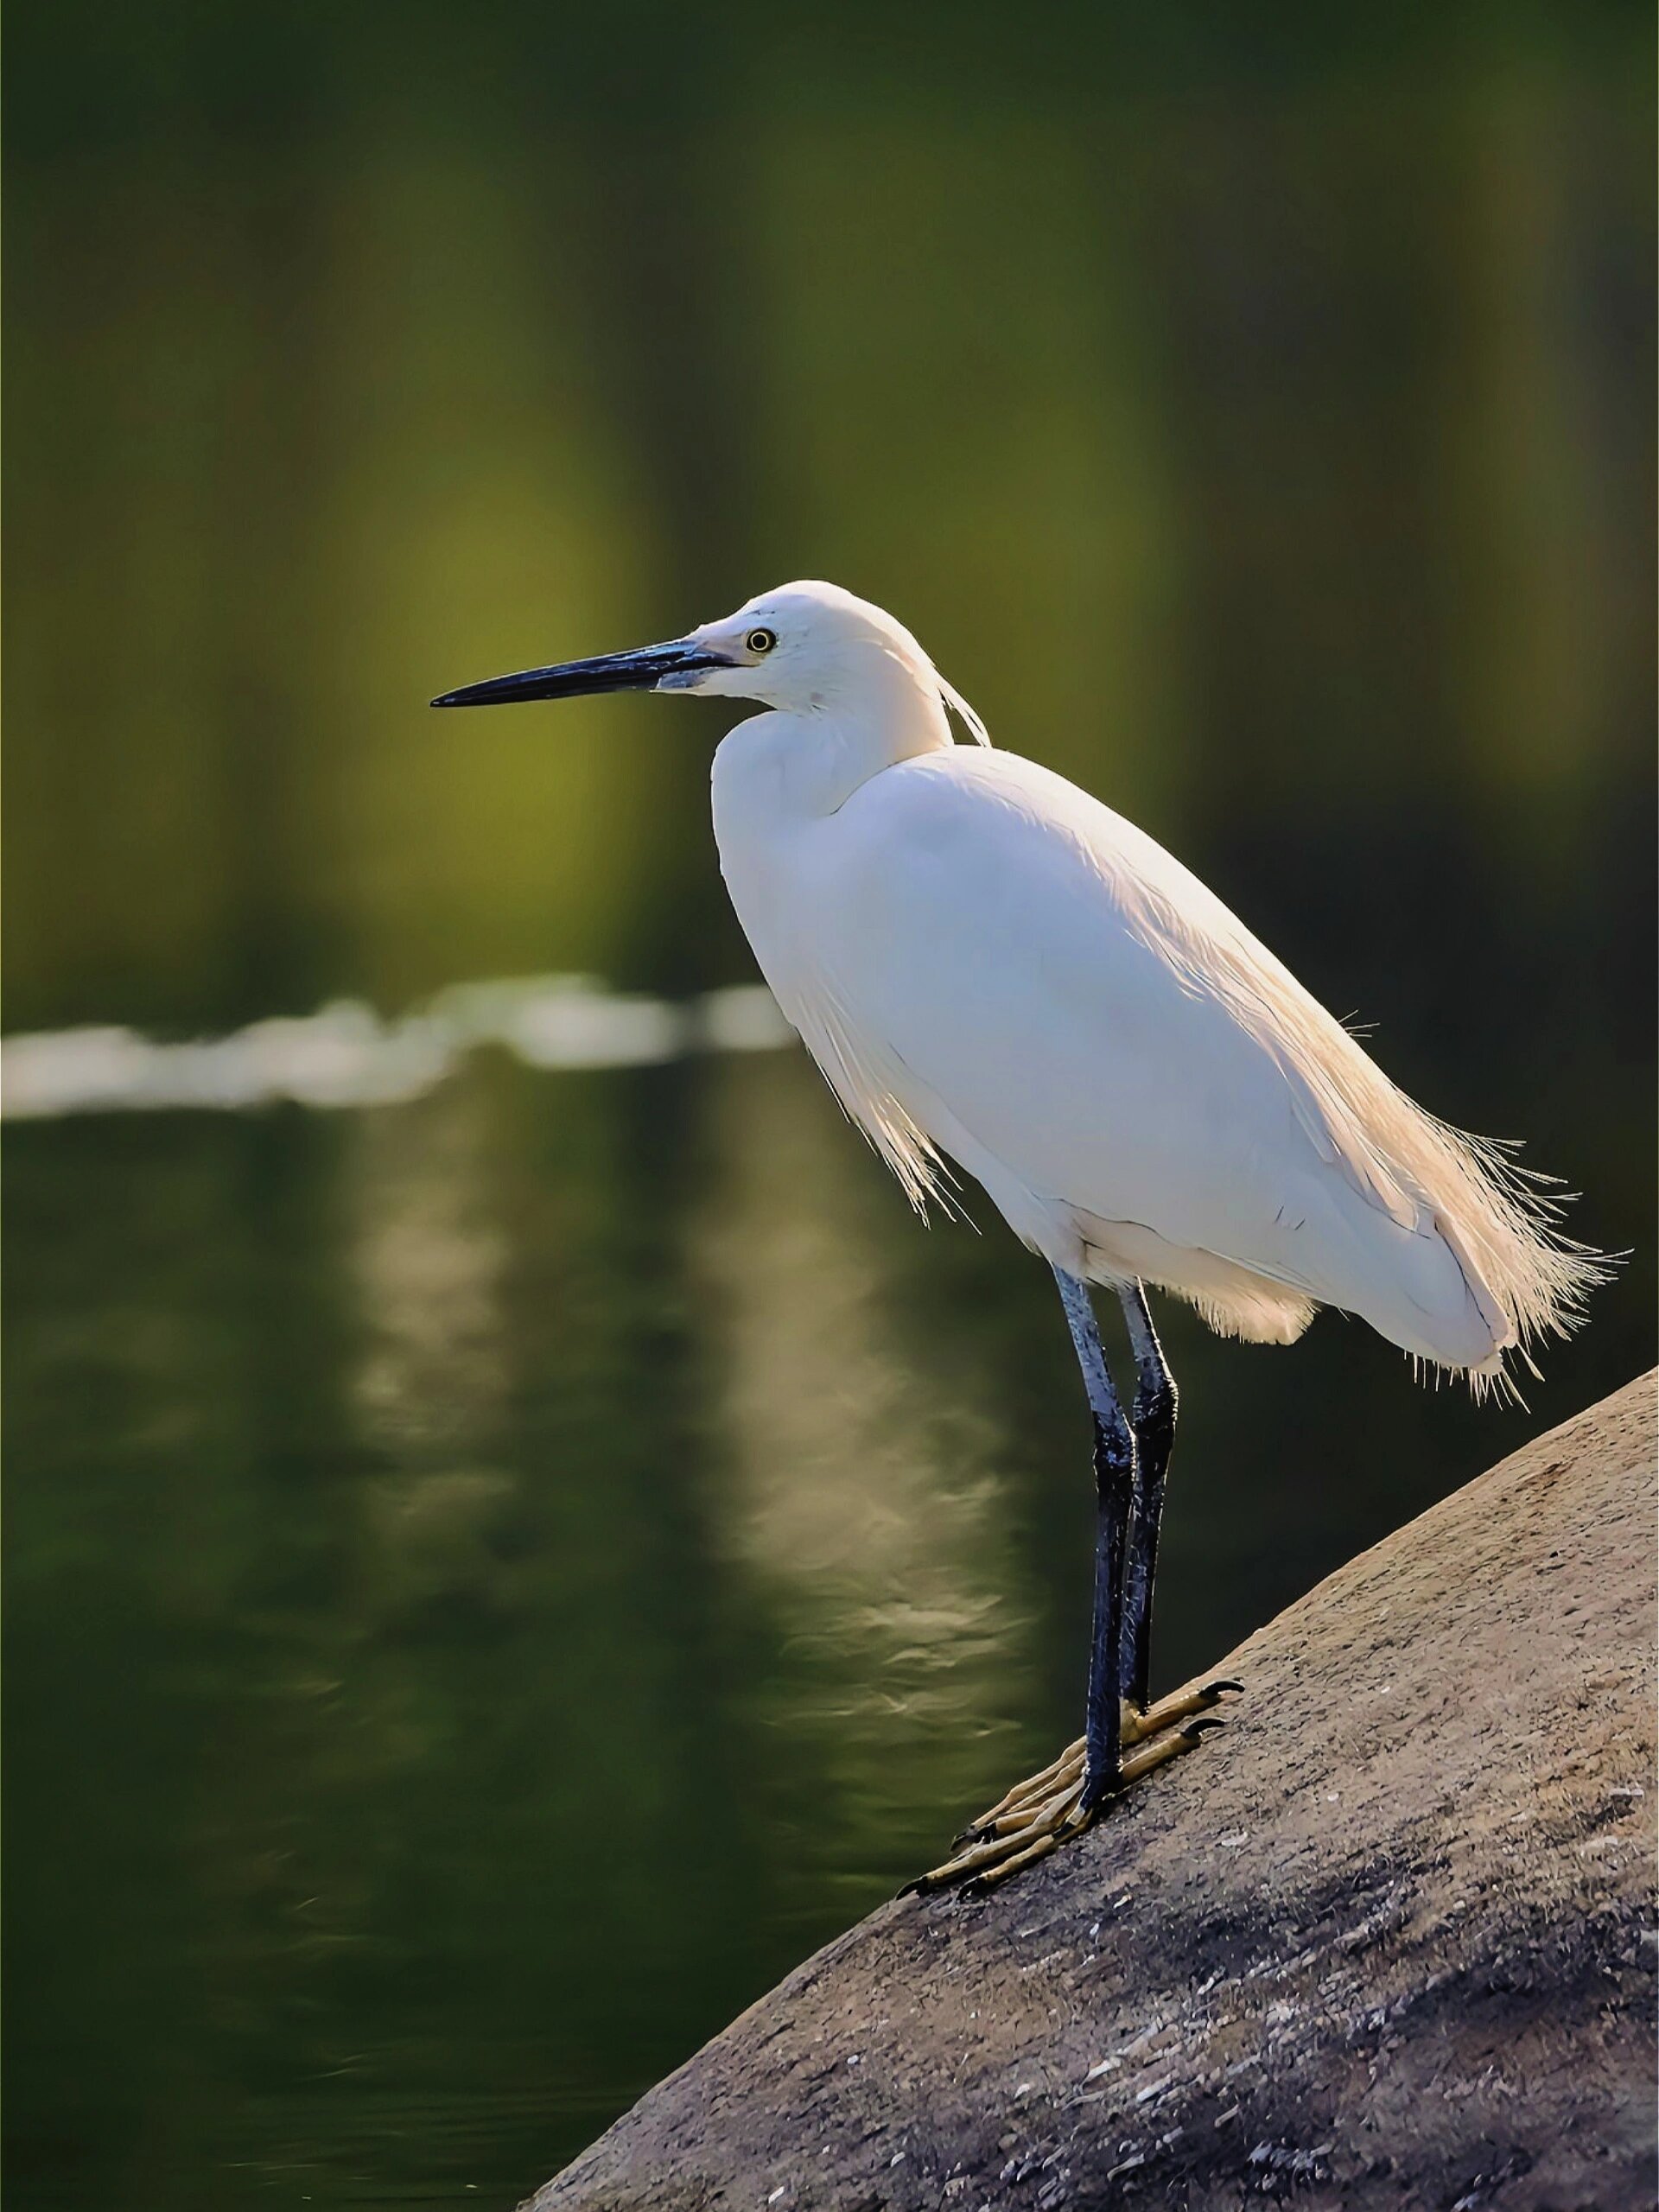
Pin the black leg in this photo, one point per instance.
(1154, 1420)
(1114, 1494)
(1131, 1459)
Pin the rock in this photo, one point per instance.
(1388, 1940)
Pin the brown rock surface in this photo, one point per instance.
(1386, 1940)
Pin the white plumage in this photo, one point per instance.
(989, 964)
(992, 968)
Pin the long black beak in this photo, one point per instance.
(673, 666)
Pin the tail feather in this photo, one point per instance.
(1499, 1220)
(1501, 1223)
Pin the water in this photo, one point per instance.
(345, 1055)
(514, 1535)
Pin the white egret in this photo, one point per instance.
(989, 964)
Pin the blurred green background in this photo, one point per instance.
(493, 1580)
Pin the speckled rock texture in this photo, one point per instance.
(1387, 1940)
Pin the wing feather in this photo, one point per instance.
(1001, 956)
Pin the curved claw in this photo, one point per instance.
(1037, 1815)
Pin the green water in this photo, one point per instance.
(491, 1581)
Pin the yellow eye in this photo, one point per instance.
(762, 641)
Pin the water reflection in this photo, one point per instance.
(873, 1509)
(345, 1055)
(451, 1539)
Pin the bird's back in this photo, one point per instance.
(987, 961)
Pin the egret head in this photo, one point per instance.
(803, 647)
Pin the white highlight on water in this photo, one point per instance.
(345, 1055)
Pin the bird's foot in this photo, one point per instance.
(1140, 1723)
(1047, 1810)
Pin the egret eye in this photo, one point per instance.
(761, 641)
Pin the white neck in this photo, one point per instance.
(811, 762)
